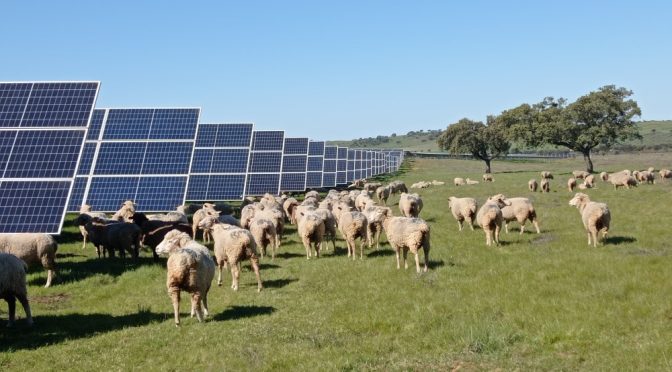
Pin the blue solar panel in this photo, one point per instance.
(128, 124)
(330, 152)
(294, 164)
(293, 182)
(174, 124)
(167, 158)
(315, 164)
(120, 158)
(259, 184)
(234, 135)
(341, 178)
(329, 180)
(160, 193)
(296, 146)
(316, 148)
(96, 124)
(226, 187)
(33, 206)
(44, 154)
(77, 194)
(229, 161)
(267, 140)
(201, 162)
(107, 193)
(86, 160)
(197, 189)
(313, 180)
(60, 104)
(13, 100)
(265, 162)
(329, 166)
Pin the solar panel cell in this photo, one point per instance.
(259, 184)
(265, 162)
(229, 161)
(44, 154)
(32, 206)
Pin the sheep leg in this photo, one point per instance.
(11, 304)
(26, 308)
(396, 252)
(350, 242)
(50, 275)
(594, 234)
(196, 306)
(417, 262)
(204, 304)
(536, 226)
(378, 239)
(506, 227)
(235, 274)
(84, 241)
(459, 225)
(497, 231)
(522, 228)
(368, 236)
(219, 277)
(588, 237)
(175, 298)
(361, 249)
(405, 256)
(255, 267)
(306, 245)
(488, 237)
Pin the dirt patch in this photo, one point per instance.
(50, 300)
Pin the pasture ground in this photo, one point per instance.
(544, 301)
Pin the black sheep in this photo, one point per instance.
(153, 231)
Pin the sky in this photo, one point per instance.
(332, 70)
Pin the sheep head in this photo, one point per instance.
(500, 199)
(579, 200)
(208, 222)
(172, 241)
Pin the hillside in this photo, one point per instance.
(657, 135)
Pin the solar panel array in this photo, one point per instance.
(265, 166)
(294, 164)
(42, 130)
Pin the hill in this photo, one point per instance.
(657, 135)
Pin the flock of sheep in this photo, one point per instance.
(353, 213)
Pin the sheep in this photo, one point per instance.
(646, 176)
(589, 181)
(311, 232)
(490, 218)
(247, 213)
(383, 193)
(410, 205)
(352, 225)
(520, 210)
(176, 216)
(362, 201)
(437, 183)
(459, 181)
(421, 185)
(545, 185)
(289, 206)
(375, 216)
(190, 268)
(651, 169)
(571, 184)
(397, 187)
(463, 209)
(264, 234)
(487, 177)
(604, 176)
(471, 182)
(532, 185)
(86, 209)
(31, 249)
(372, 186)
(206, 210)
(546, 174)
(357, 184)
(312, 201)
(13, 286)
(665, 173)
(330, 225)
(232, 245)
(622, 179)
(405, 233)
(595, 216)
(580, 174)
(121, 236)
(274, 215)
(153, 231)
(125, 213)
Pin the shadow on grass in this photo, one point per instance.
(239, 312)
(279, 283)
(68, 271)
(617, 240)
(440, 263)
(69, 255)
(268, 266)
(67, 237)
(381, 253)
(53, 329)
(288, 255)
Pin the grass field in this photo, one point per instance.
(542, 302)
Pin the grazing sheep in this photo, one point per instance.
(311, 232)
(330, 225)
(463, 209)
(410, 205)
(247, 213)
(595, 216)
(383, 193)
(546, 174)
(357, 184)
(404, 233)
(206, 210)
(176, 216)
(584, 186)
(125, 213)
(459, 181)
(421, 185)
(362, 201)
(232, 245)
(532, 185)
(471, 182)
(589, 181)
(651, 169)
(622, 179)
(263, 232)
(520, 210)
(545, 185)
(86, 209)
(13, 286)
(375, 216)
(604, 176)
(487, 177)
(437, 183)
(571, 184)
(289, 206)
(190, 268)
(580, 174)
(665, 173)
(352, 225)
(120, 236)
(153, 231)
(372, 186)
(490, 218)
(31, 249)
(274, 215)
(397, 187)
(646, 177)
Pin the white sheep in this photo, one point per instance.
(32, 249)
(604, 176)
(311, 231)
(264, 234)
(207, 210)
(13, 286)
(352, 225)
(545, 185)
(289, 206)
(487, 177)
(397, 187)
(125, 212)
(471, 182)
(580, 174)
(595, 216)
(546, 174)
(571, 184)
(313, 194)
(375, 215)
(383, 193)
(463, 209)
(520, 210)
(665, 173)
(362, 201)
(190, 268)
(410, 205)
(421, 185)
(646, 177)
(589, 181)
(622, 179)
(330, 224)
(404, 234)
(459, 181)
(437, 183)
(178, 215)
(490, 218)
(232, 245)
(532, 185)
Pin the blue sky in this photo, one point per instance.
(343, 69)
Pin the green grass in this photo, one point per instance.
(537, 302)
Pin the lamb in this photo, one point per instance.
(191, 269)
(375, 216)
(571, 184)
(13, 286)
(154, 231)
(589, 181)
(471, 182)
(459, 181)
(264, 234)
(352, 225)
(665, 173)
(487, 177)
(520, 210)
(121, 236)
(532, 185)
(404, 233)
(545, 185)
(289, 206)
(86, 209)
(622, 179)
(31, 249)
(410, 205)
(311, 232)
(604, 176)
(463, 209)
(383, 193)
(595, 216)
(490, 218)
(546, 174)
(580, 174)
(206, 210)
(232, 245)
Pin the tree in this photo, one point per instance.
(484, 142)
(603, 117)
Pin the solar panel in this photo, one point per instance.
(329, 166)
(265, 165)
(140, 154)
(315, 164)
(42, 130)
(219, 164)
(294, 163)
(342, 166)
